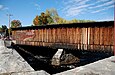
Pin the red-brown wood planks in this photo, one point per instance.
(87, 38)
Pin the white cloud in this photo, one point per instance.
(110, 18)
(103, 9)
(2, 7)
(104, 4)
(74, 3)
(37, 6)
(78, 2)
(6, 8)
(76, 10)
(70, 1)
(76, 7)
(83, 2)
(73, 12)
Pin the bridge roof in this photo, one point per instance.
(74, 25)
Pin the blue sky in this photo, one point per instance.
(26, 10)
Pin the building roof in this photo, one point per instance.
(89, 24)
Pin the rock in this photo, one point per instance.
(27, 73)
(31, 73)
(101, 67)
(11, 63)
(56, 58)
(69, 59)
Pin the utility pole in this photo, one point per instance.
(9, 21)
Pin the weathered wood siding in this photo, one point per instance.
(79, 38)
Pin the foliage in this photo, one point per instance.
(53, 12)
(48, 13)
(40, 20)
(51, 17)
(43, 19)
(4, 30)
(85, 21)
(59, 20)
(49, 20)
(36, 21)
(0, 29)
(15, 24)
(74, 21)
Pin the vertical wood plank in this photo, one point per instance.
(53, 34)
(68, 35)
(75, 36)
(51, 30)
(91, 38)
(47, 35)
(64, 35)
(96, 38)
(88, 38)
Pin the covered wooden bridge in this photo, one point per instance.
(95, 36)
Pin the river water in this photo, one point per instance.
(44, 56)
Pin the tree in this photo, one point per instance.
(0, 29)
(36, 21)
(15, 24)
(5, 30)
(47, 12)
(53, 14)
(49, 20)
(44, 18)
(51, 17)
(85, 21)
(40, 20)
(74, 21)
